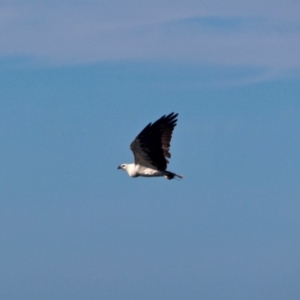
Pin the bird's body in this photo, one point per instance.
(151, 149)
(134, 170)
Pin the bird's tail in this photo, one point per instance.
(170, 175)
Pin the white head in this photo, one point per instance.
(123, 167)
(129, 168)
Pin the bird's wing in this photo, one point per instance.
(152, 145)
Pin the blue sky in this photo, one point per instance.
(78, 83)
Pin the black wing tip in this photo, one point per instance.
(172, 117)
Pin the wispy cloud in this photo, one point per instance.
(236, 33)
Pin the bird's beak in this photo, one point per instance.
(119, 167)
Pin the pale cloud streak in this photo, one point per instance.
(236, 33)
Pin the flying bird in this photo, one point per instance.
(151, 149)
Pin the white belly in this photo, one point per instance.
(147, 172)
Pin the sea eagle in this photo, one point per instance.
(151, 149)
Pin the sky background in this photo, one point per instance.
(79, 80)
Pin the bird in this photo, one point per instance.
(151, 150)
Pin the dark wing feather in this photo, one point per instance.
(152, 145)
